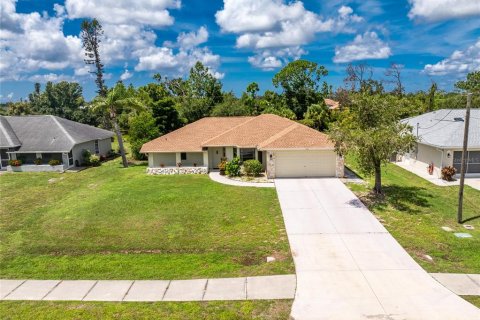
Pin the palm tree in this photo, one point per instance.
(117, 98)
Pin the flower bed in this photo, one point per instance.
(177, 170)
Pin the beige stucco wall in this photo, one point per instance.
(193, 157)
(156, 159)
(104, 146)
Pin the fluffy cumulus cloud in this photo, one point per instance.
(33, 41)
(460, 62)
(179, 61)
(34, 47)
(272, 28)
(443, 9)
(363, 47)
(142, 12)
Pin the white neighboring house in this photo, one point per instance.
(440, 141)
(28, 138)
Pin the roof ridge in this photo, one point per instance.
(278, 135)
(54, 118)
(232, 128)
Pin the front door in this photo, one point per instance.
(217, 155)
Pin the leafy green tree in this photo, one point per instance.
(282, 112)
(143, 128)
(91, 34)
(471, 84)
(19, 108)
(231, 106)
(116, 100)
(317, 117)
(250, 99)
(204, 91)
(62, 99)
(372, 131)
(166, 116)
(300, 81)
(431, 97)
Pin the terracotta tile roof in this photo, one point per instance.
(191, 137)
(264, 132)
(332, 104)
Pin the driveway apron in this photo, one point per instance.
(349, 267)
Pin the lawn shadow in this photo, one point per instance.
(401, 198)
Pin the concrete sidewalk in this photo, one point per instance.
(349, 267)
(246, 288)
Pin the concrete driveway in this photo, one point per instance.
(349, 267)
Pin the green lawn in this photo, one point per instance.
(114, 223)
(38, 310)
(414, 210)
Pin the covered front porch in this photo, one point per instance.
(37, 161)
(199, 162)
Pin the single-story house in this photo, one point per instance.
(47, 137)
(440, 140)
(284, 147)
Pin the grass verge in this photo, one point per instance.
(413, 210)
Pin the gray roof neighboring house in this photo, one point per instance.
(444, 128)
(46, 133)
(8, 138)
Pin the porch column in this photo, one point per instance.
(205, 159)
(178, 158)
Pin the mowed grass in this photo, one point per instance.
(114, 223)
(414, 210)
(39, 310)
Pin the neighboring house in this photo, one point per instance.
(332, 104)
(440, 140)
(284, 147)
(49, 137)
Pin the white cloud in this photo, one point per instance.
(270, 60)
(126, 75)
(53, 77)
(10, 95)
(142, 12)
(459, 62)
(269, 26)
(192, 39)
(34, 42)
(31, 42)
(180, 61)
(366, 46)
(443, 9)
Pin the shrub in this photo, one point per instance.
(232, 168)
(252, 168)
(38, 161)
(111, 154)
(448, 173)
(15, 163)
(54, 162)
(86, 154)
(94, 160)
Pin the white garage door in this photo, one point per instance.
(305, 163)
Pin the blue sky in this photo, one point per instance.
(241, 41)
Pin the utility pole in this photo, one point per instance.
(464, 160)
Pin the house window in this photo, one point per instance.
(234, 152)
(70, 158)
(247, 154)
(183, 156)
(97, 150)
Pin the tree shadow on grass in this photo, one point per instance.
(406, 199)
